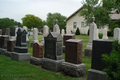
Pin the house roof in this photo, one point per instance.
(115, 14)
(73, 13)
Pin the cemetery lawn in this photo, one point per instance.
(13, 70)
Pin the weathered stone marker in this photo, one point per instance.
(38, 49)
(73, 65)
(53, 52)
(99, 47)
(20, 50)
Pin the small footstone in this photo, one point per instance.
(75, 70)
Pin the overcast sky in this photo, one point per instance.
(17, 9)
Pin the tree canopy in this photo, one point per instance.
(31, 21)
(7, 22)
(52, 17)
(99, 9)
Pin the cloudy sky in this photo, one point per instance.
(17, 9)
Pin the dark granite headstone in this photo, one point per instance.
(100, 47)
(38, 50)
(3, 31)
(21, 41)
(73, 51)
(68, 36)
(11, 45)
(12, 32)
(53, 46)
(21, 37)
(7, 31)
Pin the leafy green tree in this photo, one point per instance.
(56, 16)
(7, 22)
(100, 9)
(113, 62)
(31, 21)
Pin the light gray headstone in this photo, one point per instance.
(56, 28)
(117, 33)
(24, 27)
(92, 34)
(35, 36)
(45, 30)
(63, 32)
(105, 34)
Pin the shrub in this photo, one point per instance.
(110, 33)
(77, 32)
(113, 62)
(100, 35)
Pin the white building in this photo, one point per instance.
(75, 21)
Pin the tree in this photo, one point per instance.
(31, 21)
(56, 16)
(100, 10)
(8, 23)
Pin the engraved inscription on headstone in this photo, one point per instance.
(53, 46)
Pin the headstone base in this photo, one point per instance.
(88, 52)
(36, 61)
(96, 75)
(104, 37)
(52, 65)
(8, 53)
(75, 70)
(20, 56)
(63, 49)
(20, 49)
(3, 51)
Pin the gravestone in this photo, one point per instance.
(116, 34)
(3, 31)
(56, 28)
(35, 36)
(66, 37)
(97, 34)
(0, 31)
(73, 58)
(20, 49)
(38, 49)
(8, 31)
(99, 47)
(45, 31)
(69, 32)
(27, 38)
(12, 34)
(105, 34)
(53, 52)
(63, 32)
(3, 41)
(92, 36)
(16, 29)
(10, 47)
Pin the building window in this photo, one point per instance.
(82, 24)
(74, 24)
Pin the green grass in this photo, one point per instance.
(13, 70)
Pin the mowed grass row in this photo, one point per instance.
(13, 70)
